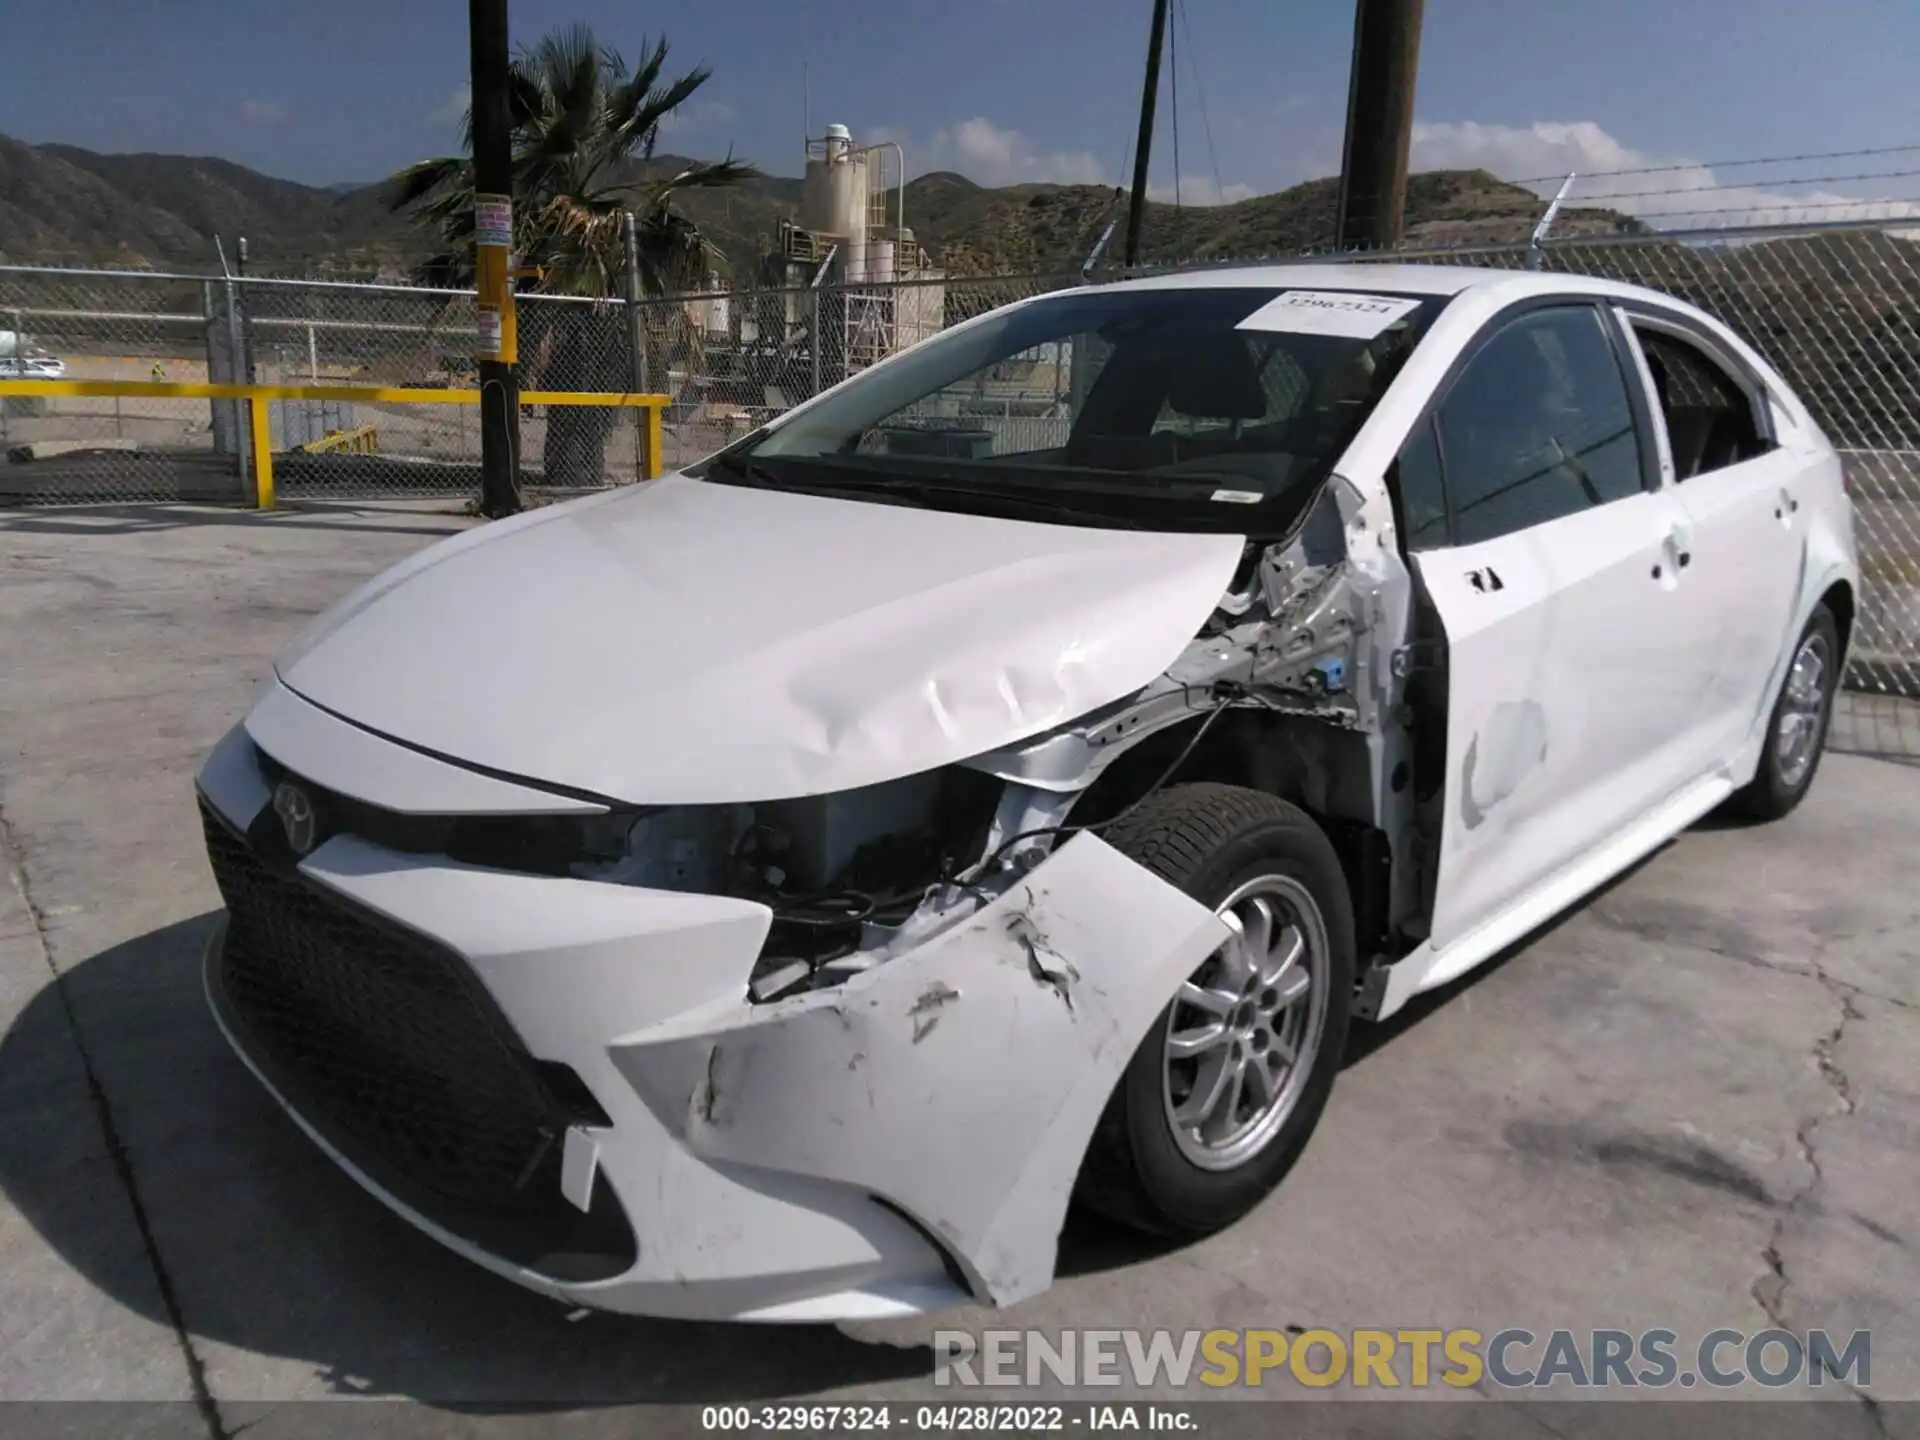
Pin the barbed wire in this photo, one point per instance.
(1579, 199)
(1731, 164)
(1773, 209)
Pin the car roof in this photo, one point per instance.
(1499, 285)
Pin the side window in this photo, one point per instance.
(1420, 489)
(1709, 418)
(1538, 426)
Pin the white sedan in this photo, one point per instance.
(777, 891)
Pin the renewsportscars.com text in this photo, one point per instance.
(1514, 1358)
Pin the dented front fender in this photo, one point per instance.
(959, 1084)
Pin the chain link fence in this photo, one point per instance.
(144, 327)
(732, 360)
(105, 326)
(1836, 308)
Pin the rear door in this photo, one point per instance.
(1737, 486)
(1549, 552)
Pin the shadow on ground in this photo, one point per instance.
(273, 1252)
(270, 1250)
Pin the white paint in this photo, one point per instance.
(1563, 722)
(754, 1203)
(343, 757)
(693, 642)
(579, 1165)
(1329, 312)
(1434, 964)
(696, 642)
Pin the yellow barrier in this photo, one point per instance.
(361, 440)
(256, 397)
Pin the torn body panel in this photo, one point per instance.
(960, 1082)
(840, 1154)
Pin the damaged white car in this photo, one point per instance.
(776, 892)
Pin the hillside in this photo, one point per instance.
(63, 205)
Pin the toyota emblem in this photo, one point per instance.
(297, 817)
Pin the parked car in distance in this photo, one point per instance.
(1006, 776)
(32, 367)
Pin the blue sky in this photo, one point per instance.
(1007, 90)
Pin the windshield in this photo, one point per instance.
(1173, 409)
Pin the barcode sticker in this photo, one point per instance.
(1344, 313)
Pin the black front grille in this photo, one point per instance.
(390, 1047)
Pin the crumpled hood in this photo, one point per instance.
(689, 642)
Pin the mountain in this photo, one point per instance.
(64, 205)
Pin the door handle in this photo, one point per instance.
(1677, 549)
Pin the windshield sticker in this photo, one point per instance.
(1237, 497)
(1329, 312)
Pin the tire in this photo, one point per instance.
(1804, 708)
(1218, 842)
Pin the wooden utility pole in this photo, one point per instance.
(497, 344)
(1143, 150)
(1373, 169)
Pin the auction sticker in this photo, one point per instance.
(492, 220)
(1329, 312)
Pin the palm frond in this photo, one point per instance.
(578, 111)
(705, 175)
(422, 179)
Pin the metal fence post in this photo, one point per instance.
(813, 336)
(637, 379)
(1536, 244)
(636, 322)
(236, 372)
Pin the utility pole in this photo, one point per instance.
(1143, 150)
(1373, 169)
(497, 342)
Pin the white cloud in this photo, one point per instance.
(990, 154)
(698, 115)
(262, 112)
(994, 155)
(1679, 194)
(1202, 190)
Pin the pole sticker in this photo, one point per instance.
(493, 220)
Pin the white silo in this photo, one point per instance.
(833, 198)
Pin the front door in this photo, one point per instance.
(1572, 654)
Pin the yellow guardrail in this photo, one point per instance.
(257, 397)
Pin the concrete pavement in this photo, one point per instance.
(1694, 1102)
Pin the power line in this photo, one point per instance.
(1731, 164)
(1200, 90)
(1173, 103)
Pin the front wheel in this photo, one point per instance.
(1797, 728)
(1219, 1099)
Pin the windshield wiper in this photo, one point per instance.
(748, 470)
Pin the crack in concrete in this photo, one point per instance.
(203, 1400)
(1655, 934)
(1769, 1289)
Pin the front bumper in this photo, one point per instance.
(904, 1141)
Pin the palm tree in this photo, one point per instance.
(585, 128)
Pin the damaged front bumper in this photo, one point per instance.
(565, 1081)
